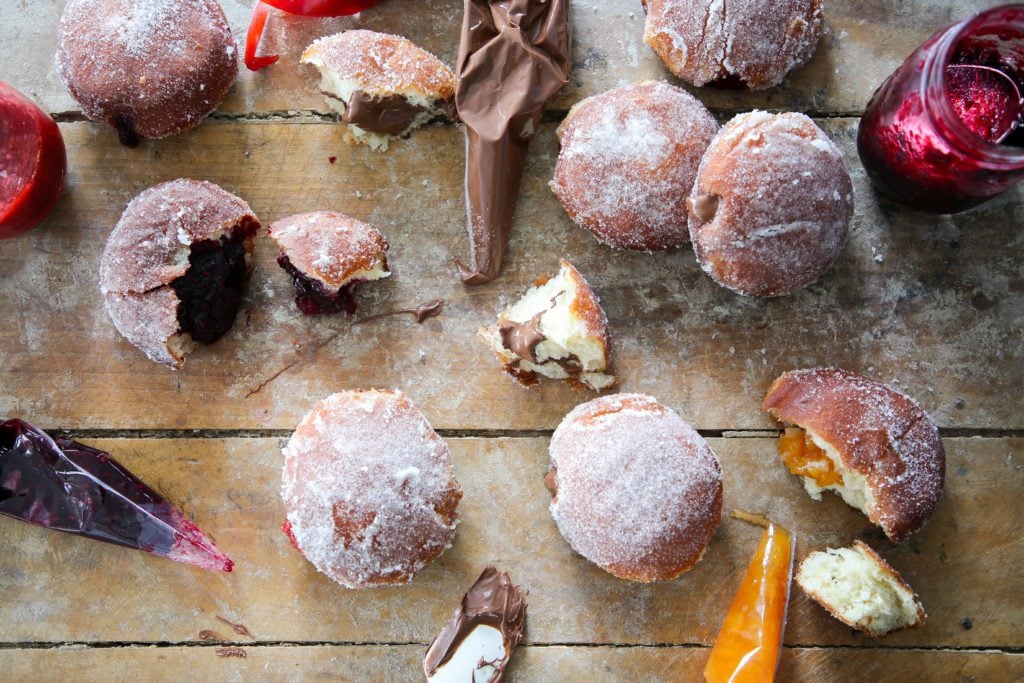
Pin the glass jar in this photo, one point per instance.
(913, 144)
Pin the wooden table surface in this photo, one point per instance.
(932, 305)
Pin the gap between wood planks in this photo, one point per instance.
(109, 645)
(735, 433)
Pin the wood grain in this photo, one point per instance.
(866, 41)
(385, 664)
(60, 588)
(930, 304)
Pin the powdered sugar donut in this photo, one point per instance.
(742, 42)
(368, 489)
(771, 208)
(148, 68)
(328, 254)
(174, 269)
(628, 161)
(635, 490)
(867, 442)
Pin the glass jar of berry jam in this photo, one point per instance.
(941, 134)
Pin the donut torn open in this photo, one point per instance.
(860, 589)
(557, 330)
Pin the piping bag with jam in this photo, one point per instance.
(513, 56)
(749, 644)
(60, 484)
(305, 8)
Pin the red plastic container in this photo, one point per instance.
(915, 146)
(33, 163)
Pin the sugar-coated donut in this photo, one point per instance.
(628, 161)
(328, 254)
(750, 43)
(384, 86)
(174, 269)
(635, 490)
(771, 208)
(148, 68)
(368, 489)
(867, 442)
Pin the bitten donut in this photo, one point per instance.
(628, 161)
(384, 86)
(771, 208)
(327, 254)
(749, 43)
(635, 490)
(368, 489)
(175, 266)
(148, 68)
(557, 330)
(867, 442)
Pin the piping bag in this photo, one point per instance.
(513, 56)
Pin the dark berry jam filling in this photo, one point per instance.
(63, 485)
(313, 298)
(211, 289)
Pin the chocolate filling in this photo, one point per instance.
(704, 207)
(210, 292)
(492, 601)
(522, 338)
(390, 115)
(314, 298)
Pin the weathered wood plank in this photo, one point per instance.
(866, 41)
(64, 589)
(930, 304)
(382, 663)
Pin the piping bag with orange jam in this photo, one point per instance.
(513, 56)
(748, 646)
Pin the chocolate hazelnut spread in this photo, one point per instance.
(704, 207)
(522, 338)
(389, 115)
(492, 601)
(422, 313)
(513, 56)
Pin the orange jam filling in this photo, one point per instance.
(803, 458)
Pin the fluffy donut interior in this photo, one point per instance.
(853, 584)
(568, 349)
(810, 462)
(338, 91)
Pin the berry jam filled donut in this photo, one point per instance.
(867, 442)
(628, 161)
(368, 489)
(635, 490)
(175, 266)
(328, 254)
(771, 208)
(747, 43)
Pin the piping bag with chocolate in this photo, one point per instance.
(478, 640)
(513, 56)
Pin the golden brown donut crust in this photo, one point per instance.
(383, 64)
(328, 246)
(368, 488)
(879, 432)
(627, 163)
(784, 204)
(748, 42)
(635, 489)
(149, 67)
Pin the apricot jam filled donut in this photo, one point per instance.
(175, 266)
(148, 68)
(771, 208)
(628, 161)
(747, 43)
(368, 489)
(635, 490)
(867, 442)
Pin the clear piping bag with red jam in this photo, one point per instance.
(513, 56)
(63, 485)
